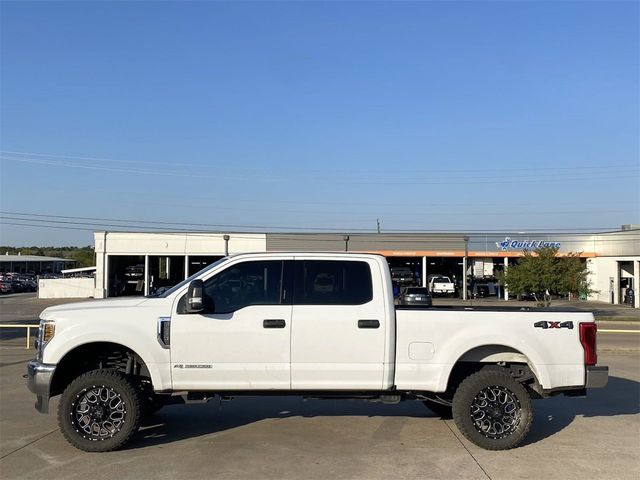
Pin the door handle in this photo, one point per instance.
(274, 323)
(368, 324)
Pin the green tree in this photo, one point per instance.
(85, 257)
(542, 272)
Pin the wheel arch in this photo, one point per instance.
(97, 355)
(476, 358)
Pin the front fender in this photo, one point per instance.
(135, 337)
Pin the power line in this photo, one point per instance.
(151, 222)
(422, 241)
(99, 223)
(386, 180)
(154, 225)
(383, 172)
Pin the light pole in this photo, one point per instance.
(226, 245)
(346, 242)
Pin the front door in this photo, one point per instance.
(241, 341)
(339, 326)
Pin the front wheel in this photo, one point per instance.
(492, 410)
(100, 411)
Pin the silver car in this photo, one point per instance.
(415, 296)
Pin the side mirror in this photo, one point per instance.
(195, 298)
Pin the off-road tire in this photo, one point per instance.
(116, 387)
(442, 411)
(512, 398)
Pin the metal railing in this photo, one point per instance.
(28, 327)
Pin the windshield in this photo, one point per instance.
(441, 280)
(398, 273)
(166, 293)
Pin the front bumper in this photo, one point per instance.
(596, 377)
(39, 377)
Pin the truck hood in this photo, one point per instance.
(56, 311)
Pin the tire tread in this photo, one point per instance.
(134, 418)
(468, 389)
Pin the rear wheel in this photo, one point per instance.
(100, 411)
(492, 410)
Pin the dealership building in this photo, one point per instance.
(139, 263)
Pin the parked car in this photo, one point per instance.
(30, 285)
(526, 296)
(134, 272)
(415, 296)
(5, 287)
(403, 275)
(48, 276)
(113, 360)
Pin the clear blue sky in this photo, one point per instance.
(426, 115)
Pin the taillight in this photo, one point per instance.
(588, 341)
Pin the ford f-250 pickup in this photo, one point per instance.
(311, 324)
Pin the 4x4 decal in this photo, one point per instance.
(544, 324)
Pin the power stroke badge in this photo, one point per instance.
(193, 365)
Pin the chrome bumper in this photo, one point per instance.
(39, 376)
(597, 377)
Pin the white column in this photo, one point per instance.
(102, 274)
(506, 265)
(464, 278)
(146, 274)
(186, 267)
(636, 283)
(616, 284)
(424, 271)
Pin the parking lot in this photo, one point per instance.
(282, 437)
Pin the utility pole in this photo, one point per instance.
(378, 222)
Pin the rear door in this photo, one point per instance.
(339, 325)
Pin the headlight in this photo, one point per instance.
(48, 331)
(45, 333)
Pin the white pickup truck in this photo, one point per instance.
(441, 285)
(311, 324)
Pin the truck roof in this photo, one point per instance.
(309, 253)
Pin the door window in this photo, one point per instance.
(331, 282)
(244, 284)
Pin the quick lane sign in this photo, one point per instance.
(509, 244)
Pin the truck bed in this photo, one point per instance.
(430, 341)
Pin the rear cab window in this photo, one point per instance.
(417, 291)
(332, 282)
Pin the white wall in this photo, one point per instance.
(604, 268)
(66, 288)
(131, 243)
(137, 243)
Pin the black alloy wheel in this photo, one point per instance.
(100, 410)
(492, 410)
